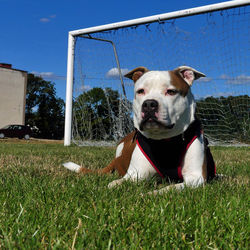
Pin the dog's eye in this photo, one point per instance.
(171, 92)
(140, 91)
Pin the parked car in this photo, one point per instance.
(19, 131)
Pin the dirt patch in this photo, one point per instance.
(30, 141)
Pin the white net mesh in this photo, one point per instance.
(215, 43)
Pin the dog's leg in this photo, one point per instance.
(192, 169)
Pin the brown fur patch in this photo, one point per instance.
(179, 83)
(136, 73)
(121, 163)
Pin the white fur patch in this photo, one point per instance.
(72, 166)
(119, 150)
(193, 161)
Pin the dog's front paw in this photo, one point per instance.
(178, 186)
(115, 183)
(155, 192)
(160, 191)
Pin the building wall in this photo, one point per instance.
(13, 84)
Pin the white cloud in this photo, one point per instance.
(79, 89)
(47, 19)
(241, 79)
(44, 20)
(114, 73)
(204, 79)
(48, 75)
(85, 87)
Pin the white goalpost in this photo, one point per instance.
(213, 38)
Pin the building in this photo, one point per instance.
(13, 84)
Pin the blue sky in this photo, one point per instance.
(34, 34)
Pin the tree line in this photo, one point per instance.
(101, 114)
(96, 111)
(225, 118)
(44, 111)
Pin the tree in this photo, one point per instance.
(43, 109)
(96, 113)
(226, 118)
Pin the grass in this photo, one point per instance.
(44, 206)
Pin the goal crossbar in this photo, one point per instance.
(162, 17)
(130, 23)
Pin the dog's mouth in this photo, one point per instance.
(152, 119)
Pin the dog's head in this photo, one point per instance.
(163, 103)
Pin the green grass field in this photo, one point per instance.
(44, 206)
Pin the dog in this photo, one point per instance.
(168, 140)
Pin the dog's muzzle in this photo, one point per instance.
(149, 111)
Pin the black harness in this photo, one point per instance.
(167, 155)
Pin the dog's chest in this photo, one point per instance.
(167, 155)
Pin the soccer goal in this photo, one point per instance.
(214, 39)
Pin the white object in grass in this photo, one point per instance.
(72, 166)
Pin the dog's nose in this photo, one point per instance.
(150, 106)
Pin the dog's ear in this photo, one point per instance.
(189, 74)
(136, 73)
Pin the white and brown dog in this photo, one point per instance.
(168, 140)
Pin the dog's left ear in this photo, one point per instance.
(189, 74)
(136, 73)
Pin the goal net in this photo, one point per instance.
(216, 43)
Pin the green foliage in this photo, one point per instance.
(43, 109)
(226, 119)
(44, 206)
(95, 113)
